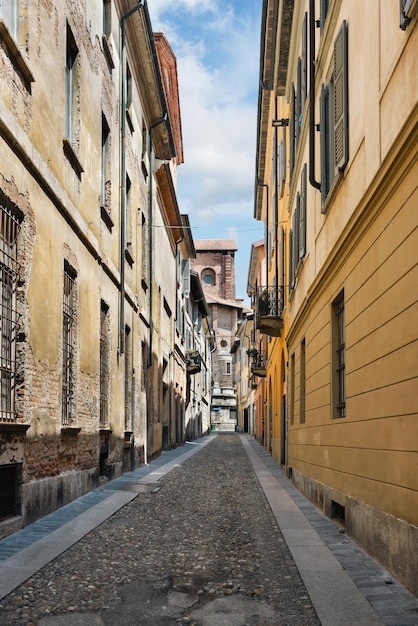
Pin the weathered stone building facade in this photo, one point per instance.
(93, 361)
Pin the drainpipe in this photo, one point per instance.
(312, 26)
(121, 346)
(276, 201)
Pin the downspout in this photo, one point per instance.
(312, 26)
(150, 232)
(121, 346)
(276, 201)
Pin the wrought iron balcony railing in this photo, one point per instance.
(259, 362)
(269, 305)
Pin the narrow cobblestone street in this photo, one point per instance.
(207, 533)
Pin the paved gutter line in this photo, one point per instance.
(337, 600)
(26, 562)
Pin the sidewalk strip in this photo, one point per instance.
(337, 600)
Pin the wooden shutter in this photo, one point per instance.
(298, 100)
(292, 130)
(282, 256)
(340, 77)
(295, 225)
(291, 268)
(302, 214)
(185, 271)
(304, 81)
(324, 128)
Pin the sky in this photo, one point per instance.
(217, 47)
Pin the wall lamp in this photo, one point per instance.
(282, 122)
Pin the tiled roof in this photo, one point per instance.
(215, 244)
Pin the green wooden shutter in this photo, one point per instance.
(324, 128)
(291, 268)
(292, 131)
(340, 77)
(298, 115)
(304, 82)
(296, 233)
(302, 213)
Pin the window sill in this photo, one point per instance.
(128, 256)
(105, 431)
(106, 217)
(16, 56)
(72, 157)
(70, 430)
(13, 427)
(108, 53)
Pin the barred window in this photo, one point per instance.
(128, 379)
(9, 270)
(104, 364)
(68, 345)
(338, 366)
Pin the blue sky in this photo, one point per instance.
(217, 46)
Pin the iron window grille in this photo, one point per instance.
(104, 366)
(339, 338)
(9, 271)
(68, 349)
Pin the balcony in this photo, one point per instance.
(259, 362)
(269, 303)
(193, 362)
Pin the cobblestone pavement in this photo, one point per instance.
(206, 533)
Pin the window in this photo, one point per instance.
(408, 9)
(338, 357)
(297, 243)
(104, 364)
(128, 105)
(228, 367)
(68, 345)
(128, 379)
(208, 277)
(302, 382)
(9, 12)
(105, 182)
(71, 88)
(107, 23)
(334, 115)
(323, 10)
(128, 214)
(292, 389)
(9, 270)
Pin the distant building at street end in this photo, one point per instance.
(215, 265)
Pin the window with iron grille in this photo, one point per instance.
(9, 270)
(68, 345)
(338, 352)
(128, 379)
(104, 364)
